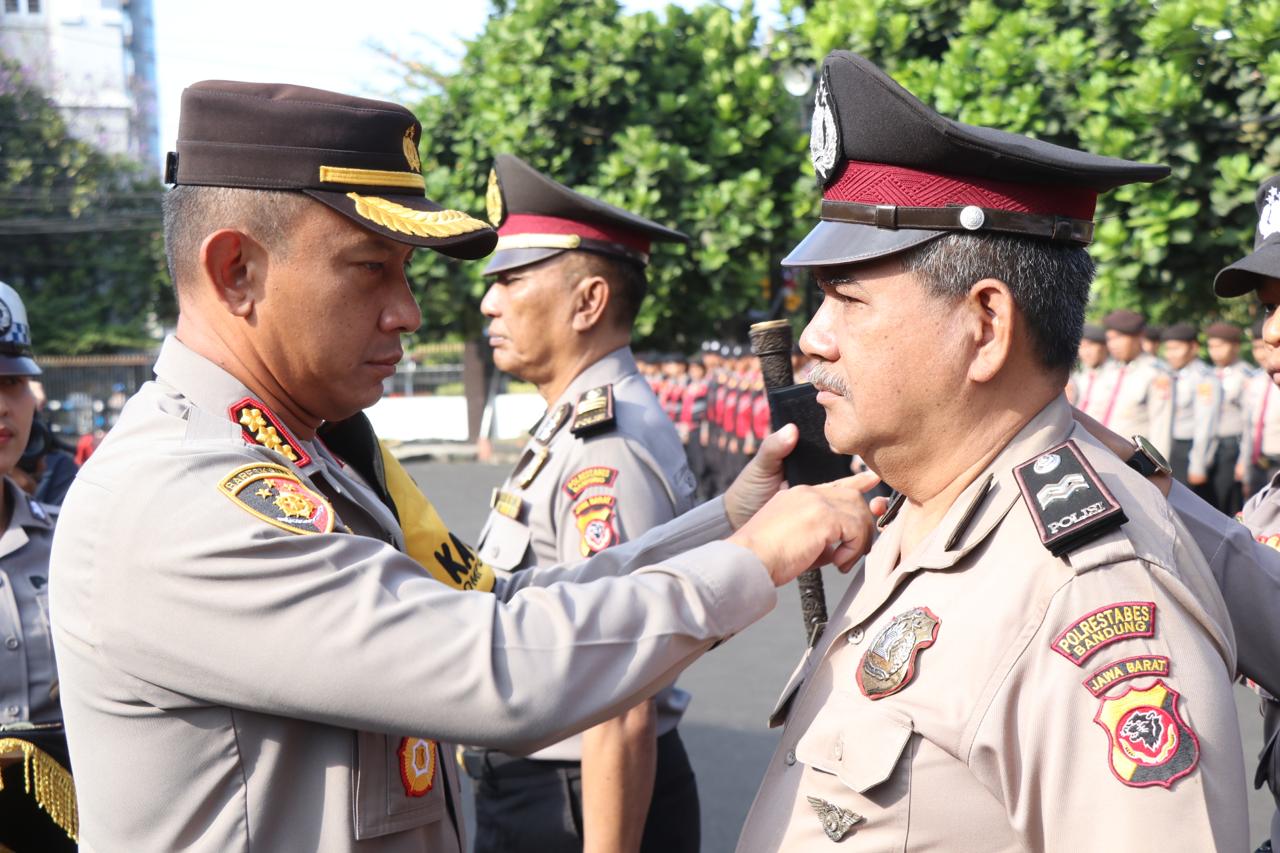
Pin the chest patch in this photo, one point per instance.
(274, 494)
(890, 663)
(1094, 631)
(419, 759)
(1150, 744)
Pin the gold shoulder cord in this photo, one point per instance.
(55, 792)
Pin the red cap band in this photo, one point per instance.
(527, 223)
(877, 183)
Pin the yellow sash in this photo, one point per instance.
(445, 557)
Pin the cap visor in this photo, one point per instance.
(18, 365)
(1248, 273)
(457, 235)
(834, 243)
(509, 259)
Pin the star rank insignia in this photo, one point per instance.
(890, 663)
(836, 821)
(260, 426)
(274, 494)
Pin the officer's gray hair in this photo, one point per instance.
(1049, 282)
(193, 213)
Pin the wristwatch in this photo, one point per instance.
(1146, 460)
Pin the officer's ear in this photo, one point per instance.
(234, 265)
(590, 299)
(989, 315)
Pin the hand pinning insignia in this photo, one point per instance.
(836, 821)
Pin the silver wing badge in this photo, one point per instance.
(836, 822)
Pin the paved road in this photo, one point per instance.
(734, 687)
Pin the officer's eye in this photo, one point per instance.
(373, 266)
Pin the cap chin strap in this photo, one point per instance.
(969, 218)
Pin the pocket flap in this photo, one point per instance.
(858, 743)
(504, 543)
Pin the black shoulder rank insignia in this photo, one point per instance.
(551, 423)
(274, 494)
(1068, 501)
(890, 513)
(594, 412)
(262, 427)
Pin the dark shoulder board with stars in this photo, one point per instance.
(594, 411)
(260, 426)
(1068, 502)
(551, 423)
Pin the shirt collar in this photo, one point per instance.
(26, 511)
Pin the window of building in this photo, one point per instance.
(11, 5)
(33, 6)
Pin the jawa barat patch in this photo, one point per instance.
(1094, 631)
(594, 516)
(1150, 744)
(1103, 679)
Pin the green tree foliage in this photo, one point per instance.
(679, 116)
(79, 231)
(1190, 83)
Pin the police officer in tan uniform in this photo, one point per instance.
(1234, 374)
(1087, 379)
(1197, 399)
(1136, 396)
(264, 642)
(602, 466)
(39, 816)
(1034, 657)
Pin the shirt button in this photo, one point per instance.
(12, 710)
(12, 643)
(790, 757)
(855, 636)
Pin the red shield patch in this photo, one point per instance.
(1150, 742)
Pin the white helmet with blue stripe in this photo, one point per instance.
(16, 357)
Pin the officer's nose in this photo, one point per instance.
(402, 314)
(818, 339)
(1271, 328)
(490, 305)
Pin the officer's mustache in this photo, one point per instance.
(824, 379)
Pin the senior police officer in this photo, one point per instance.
(603, 466)
(253, 654)
(1197, 399)
(1032, 657)
(39, 816)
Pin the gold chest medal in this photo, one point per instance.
(890, 663)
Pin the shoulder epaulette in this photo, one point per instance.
(260, 426)
(593, 412)
(1069, 504)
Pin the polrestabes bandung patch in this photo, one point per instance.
(261, 426)
(596, 475)
(274, 494)
(1068, 502)
(1096, 630)
(419, 759)
(1113, 673)
(594, 516)
(890, 663)
(1150, 744)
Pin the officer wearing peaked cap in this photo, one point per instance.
(1197, 399)
(603, 466)
(258, 618)
(1032, 657)
(37, 796)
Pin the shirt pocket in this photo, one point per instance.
(858, 758)
(398, 785)
(504, 543)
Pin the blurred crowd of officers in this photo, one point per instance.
(1214, 420)
(719, 404)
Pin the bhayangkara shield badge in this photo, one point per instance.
(1150, 742)
(890, 663)
(274, 494)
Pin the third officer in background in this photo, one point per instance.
(1137, 396)
(604, 465)
(1088, 376)
(1260, 441)
(1196, 400)
(1234, 375)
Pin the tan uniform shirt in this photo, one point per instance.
(1197, 399)
(1137, 399)
(994, 739)
(590, 492)
(1085, 385)
(28, 677)
(233, 680)
(1261, 437)
(1235, 379)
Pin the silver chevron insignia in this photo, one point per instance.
(1061, 490)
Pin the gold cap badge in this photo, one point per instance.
(493, 199)
(411, 150)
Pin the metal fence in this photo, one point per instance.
(87, 392)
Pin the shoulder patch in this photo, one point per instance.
(1094, 631)
(274, 494)
(594, 411)
(1102, 680)
(1068, 502)
(1150, 743)
(260, 426)
(594, 515)
(596, 475)
(1271, 540)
